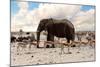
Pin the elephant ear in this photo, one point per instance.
(50, 20)
(43, 24)
(44, 21)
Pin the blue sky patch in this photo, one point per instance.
(32, 5)
(14, 7)
(87, 7)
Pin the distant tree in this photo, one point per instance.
(28, 33)
(20, 32)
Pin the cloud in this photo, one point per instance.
(23, 19)
(29, 20)
(85, 21)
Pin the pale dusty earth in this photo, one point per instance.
(36, 56)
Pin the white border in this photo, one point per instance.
(4, 33)
(87, 2)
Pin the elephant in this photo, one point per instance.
(61, 28)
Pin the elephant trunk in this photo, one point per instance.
(38, 38)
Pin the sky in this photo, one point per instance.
(27, 15)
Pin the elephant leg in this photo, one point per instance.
(50, 37)
(69, 44)
(37, 45)
(68, 41)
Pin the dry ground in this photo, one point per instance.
(36, 56)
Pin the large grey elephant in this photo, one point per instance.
(62, 28)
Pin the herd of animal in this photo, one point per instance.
(23, 41)
(66, 30)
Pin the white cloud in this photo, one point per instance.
(22, 19)
(85, 21)
(29, 20)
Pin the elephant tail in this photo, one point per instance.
(73, 35)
